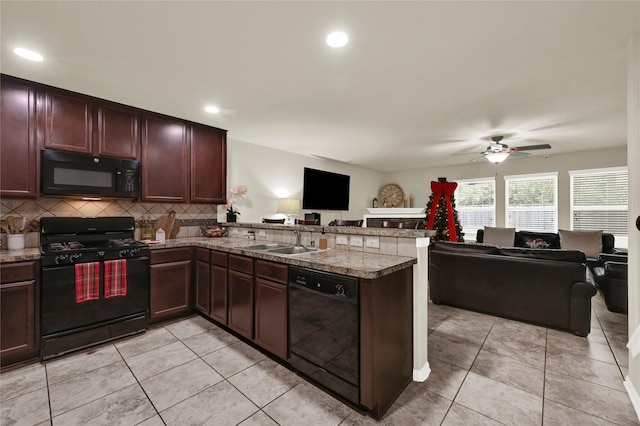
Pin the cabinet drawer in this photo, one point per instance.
(273, 271)
(219, 258)
(20, 271)
(202, 254)
(170, 255)
(241, 264)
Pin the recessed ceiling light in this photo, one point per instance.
(337, 39)
(212, 109)
(28, 54)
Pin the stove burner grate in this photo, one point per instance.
(68, 245)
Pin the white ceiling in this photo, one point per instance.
(417, 83)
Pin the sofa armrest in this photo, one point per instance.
(580, 320)
(608, 257)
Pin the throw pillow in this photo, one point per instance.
(532, 239)
(501, 237)
(588, 242)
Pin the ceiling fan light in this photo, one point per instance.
(497, 157)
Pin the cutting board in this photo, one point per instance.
(169, 224)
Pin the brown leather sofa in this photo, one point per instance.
(612, 278)
(547, 287)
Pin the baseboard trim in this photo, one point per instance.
(422, 374)
(634, 343)
(633, 395)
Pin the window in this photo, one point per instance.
(476, 205)
(532, 202)
(599, 199)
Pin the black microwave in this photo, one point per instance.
(83, 175)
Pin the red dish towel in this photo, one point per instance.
(87, 281)
(115, 278)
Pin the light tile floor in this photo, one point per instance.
(485, 371)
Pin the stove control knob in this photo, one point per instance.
(100, 254)
(75, 257)
(61, 258)
(124, 252)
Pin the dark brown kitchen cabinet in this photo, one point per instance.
(79, 123)
(116, 131)
(203, 280)
(271, 307)
(219, 287)
(165, 154)
(208, 164)
(241, 295)
(67, 121)
(170, 283)
(18, 145)
(19, 312)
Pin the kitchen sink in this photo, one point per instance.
(293, 250)
(268, 246)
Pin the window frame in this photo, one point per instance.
(460, 209)
(621, 239)
(508, 179)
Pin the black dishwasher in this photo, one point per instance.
(324, 329)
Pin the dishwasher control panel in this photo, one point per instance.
(336, 285)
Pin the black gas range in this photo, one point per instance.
(95, 282)
(69, 240)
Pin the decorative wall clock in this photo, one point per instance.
(391, 194)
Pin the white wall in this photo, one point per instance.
(264, 170)
(418, 181)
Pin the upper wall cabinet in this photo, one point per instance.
(78, 123)
(208, 164)
(18, 145)
(165, 154)
(116, 131)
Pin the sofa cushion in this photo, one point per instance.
(545, 254)
(529, 239)
(455, 247)
(501, 237)
(589, 242)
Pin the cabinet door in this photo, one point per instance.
(202, 286)
(117, 131)
(165, 150)
(208, 165)
(241, 303)
(18, 148)
(68, 121)
(170, 289)
(219, 293)
(271, 317)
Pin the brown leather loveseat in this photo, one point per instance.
(547, 287)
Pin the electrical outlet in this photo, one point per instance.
(262, 233)
(372, 242)
(342, 240)
(356, 241)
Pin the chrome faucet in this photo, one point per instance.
(298, 235)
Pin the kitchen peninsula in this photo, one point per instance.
(248, 292)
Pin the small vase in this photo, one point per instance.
(231, 217)
(15, 241)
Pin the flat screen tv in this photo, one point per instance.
(325, 190)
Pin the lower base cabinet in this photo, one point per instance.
(270, 330)
(19, 312)
(240, 282)
(171, 291)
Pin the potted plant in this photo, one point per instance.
(236, 192)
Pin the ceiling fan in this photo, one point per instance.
(497, 151)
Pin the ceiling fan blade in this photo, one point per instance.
(532, 147)
(466, 153)
(519, 154)
(477, 159)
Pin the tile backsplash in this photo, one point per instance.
(191, 216)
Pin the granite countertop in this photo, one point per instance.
(346, 262)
